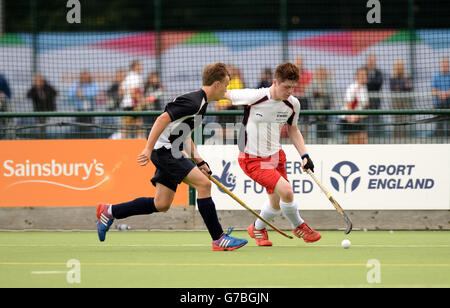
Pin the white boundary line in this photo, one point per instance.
(48, 272)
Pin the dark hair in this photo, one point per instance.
(214, 72)
(287, 71)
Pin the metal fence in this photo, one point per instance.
(222, 127)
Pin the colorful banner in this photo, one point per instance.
(75, 173)
(360, 177)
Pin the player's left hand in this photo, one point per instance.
(144, 158)
(204, 167)
(307, 163)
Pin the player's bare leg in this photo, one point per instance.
(163, 198)
(200, 182)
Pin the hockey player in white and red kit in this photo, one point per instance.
(261, 157)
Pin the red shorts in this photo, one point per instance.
(266, 171)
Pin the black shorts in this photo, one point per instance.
(170, 171)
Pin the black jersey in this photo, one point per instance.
(184, 111)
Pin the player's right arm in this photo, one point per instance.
(158, 127)
(244, 96)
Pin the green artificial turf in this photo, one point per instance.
(158, 259)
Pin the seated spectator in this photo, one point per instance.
(400, 84)
(321, 94)
(5, 95)
(153, 91)
(43, 96)
(441, 94)
(236, 82)
(266, 79)
(356, 98)
(83, 95)
(304, 82)
(114, 93)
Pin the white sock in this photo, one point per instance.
(268, 213)
(290, 210)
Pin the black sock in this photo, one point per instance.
(207, 209)
(139, 206)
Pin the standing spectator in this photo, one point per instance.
(356, 98)
(374, 84)
(5, 95)
(304, 82)
(83, 95)
(133, 99)
(440, 89)
(43, 96)
(400, 84)
(153, 91)
(266, 79)
(321, 93)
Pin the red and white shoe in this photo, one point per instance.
(306, 233)
(261, 237)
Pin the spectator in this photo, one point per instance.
(133, 99)
(304, 82)
(400, 84)
(441, 95)
(83, 95)
(356, 98)
(266, 79)
(236, 82)
(43, 96)
(114, 92)
(5, 95)
(374, 84)
(153, 91)
(321, 94)
(114, 98)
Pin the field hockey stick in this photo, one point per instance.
(229, 193)
(333, 201)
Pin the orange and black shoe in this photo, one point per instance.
(306, 233)
(227, 242)
(261, 237)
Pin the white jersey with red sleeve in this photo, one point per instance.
(263, 120)
(357, 95)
